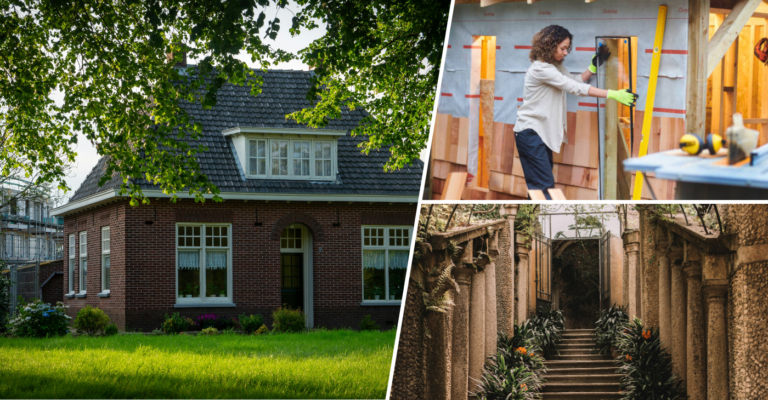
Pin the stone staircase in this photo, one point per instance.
(580, 372)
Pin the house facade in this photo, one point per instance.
(306, 221)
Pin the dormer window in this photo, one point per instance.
(296, 156)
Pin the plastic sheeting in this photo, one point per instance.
(514, 25)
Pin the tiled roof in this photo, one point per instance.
(283, 92)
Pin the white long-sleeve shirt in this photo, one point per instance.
(544, 105)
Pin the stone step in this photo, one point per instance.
(576, 335)
(580, 388)
(586, 370)
(582, 396)
(578, 330)
(585, 350)
(557, 364)
(578, 341)
(581, 357)
(581, 379)
(568, 345)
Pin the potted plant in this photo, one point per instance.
(377, 292)
(223, 293)
(188, 290)
(394, 292)
(213, 291)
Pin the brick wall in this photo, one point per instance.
(144, 253)
(53, 290)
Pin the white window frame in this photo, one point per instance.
(387, 248)
(72, 261)
(83, 258)
(203, 299)
(104, 254)
(269, 139)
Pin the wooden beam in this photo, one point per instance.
(727, 32)
(488, 3)
(696, 85)
(755, 121)
(611, 123)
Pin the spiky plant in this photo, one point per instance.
(548, 326)
(646, 367)
(502, 381)
(609, 325)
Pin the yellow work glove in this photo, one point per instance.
(623, 96)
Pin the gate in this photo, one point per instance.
(24, 283)
(542, 257)
(605, 271)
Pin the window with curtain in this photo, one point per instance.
(83, 261)
(385, 262)
(273, 158)
(203, 266)
(105, 239)
(71, 262)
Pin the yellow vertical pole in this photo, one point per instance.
(651, 96)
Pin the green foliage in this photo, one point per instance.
(609, 325)
(110, 330)
(501, 381)
(5, 300)
(263, 330)
(646, 367)
(157, 332)
(527, 220)
(547, 326)
(209, 331)
(382, 55)
(250, 323)
(38, 319)
(287, 320)
(367, 324)
(175, 323)
(90, 321)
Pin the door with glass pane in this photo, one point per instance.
(292, 290)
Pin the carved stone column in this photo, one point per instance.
(717, 342)
(697, 354)
(665, 319)
(632, 249)
(476, 329)
(505, 278)
(522, 251)
(438, 360)
(679, 346)
(460, 346)
(491, 334)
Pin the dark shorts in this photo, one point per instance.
(536, 159)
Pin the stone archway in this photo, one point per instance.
(297, 217)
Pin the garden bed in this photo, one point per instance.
(321, 364)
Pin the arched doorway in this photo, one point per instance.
(296, 270)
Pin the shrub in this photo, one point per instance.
(90, 321)
(209, 331)
(262, 330)
(250, 323)
(110, 330)
(221, 323)
(646, 367)
(547, 326)
(503, 382)
(38, 319)
(206, 320)
(608, 327)
(177, 324)
(157, 332)
(5, 300)
(287, 320)
(367, 324)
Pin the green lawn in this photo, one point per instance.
(328, 364)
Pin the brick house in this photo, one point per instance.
(307, 220)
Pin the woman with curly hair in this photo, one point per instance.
(540, 126)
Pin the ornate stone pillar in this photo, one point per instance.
(460, 345)
(522, 251)
(476, 329)
(697, 354)
(438, 360)
(717, 342)
(665, 319)
(679, 304)
(632, 249)
(491, 334)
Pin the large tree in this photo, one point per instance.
(110, 60)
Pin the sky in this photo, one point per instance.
(86, 154)
(561, 222)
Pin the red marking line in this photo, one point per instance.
(585, 49)
(519, 99)
(683, 52)
(446, 94)
(498, 98)
(449, 46)
(472, 96)
(476, 47)
(668, 110)
(523, 47)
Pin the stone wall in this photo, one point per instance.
(505, 279)
(649, 270)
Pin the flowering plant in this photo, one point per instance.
(38, 319)
(205, 318)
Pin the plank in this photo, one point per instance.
(475, 193)
(725, 35)
(697, 73)
(624, 178)
(717, 86)
(441, 137)
(454, 186)
(575, 192)
(508, 184)
(463, 142)
(611, 124)
(586, 140)
(498, 145)
(492, 195)
(487, 90)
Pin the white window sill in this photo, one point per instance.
(201, 304)
(104, 293)
(381, 303)
(80, 295)
(70, 295)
